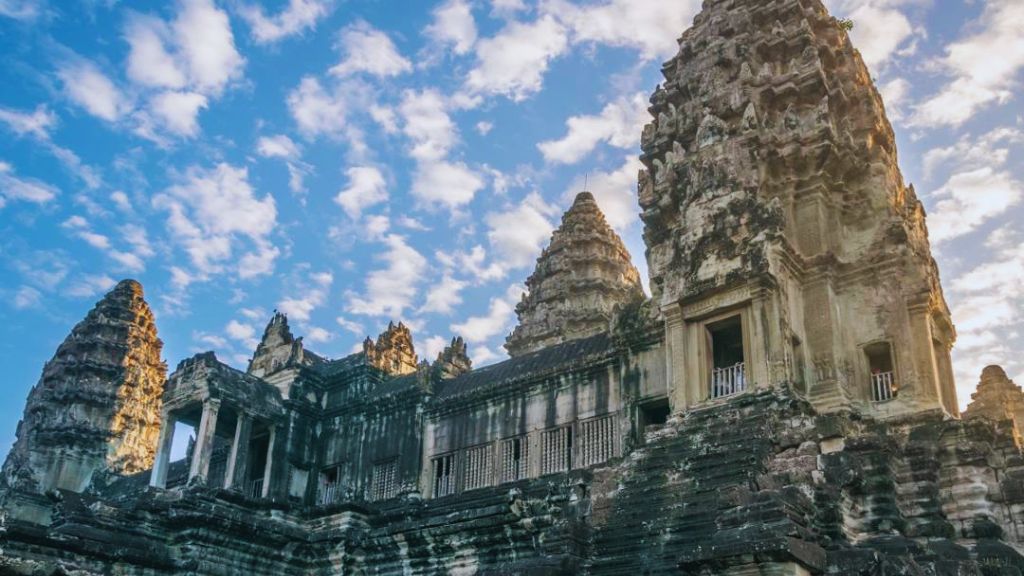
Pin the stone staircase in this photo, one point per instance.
(700, 494)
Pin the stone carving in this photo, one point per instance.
(580, 277)
(97, 405)
(453, 360)
(393, 352)
(279, 349)
(998, 398)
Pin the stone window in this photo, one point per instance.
(477, 466)
(330, 485)
(882, 369)
(556, 450)
(384, 481)
(654, 413)
(597, 440)
(725, 350)
(514, 459)
(444, 475)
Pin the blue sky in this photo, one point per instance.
(354, 162)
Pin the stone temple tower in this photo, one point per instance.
(583, 274)
(97, 405)
(783, 244)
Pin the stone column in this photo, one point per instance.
(922, 361)
(269, 467)
(675, 358)
(204, 440)
(238, 460)
(158, 476)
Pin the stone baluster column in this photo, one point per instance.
(158, 476)
(238, 461)
(269, 467)
(204, 440)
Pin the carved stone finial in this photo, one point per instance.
(453, 361)
(393, 353)
(997, 398)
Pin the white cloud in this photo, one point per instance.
(313, 295)
(500, 318)
(433, 346)
(212, 211)
(367, 49)
(983, 66)
(179, 111)
(13, 188)
(389, 291)
(895, 94)
(88, 87)
(241, 332)
(449, 184)
(513, 62)
(436, 181)
(297, 17)
(90, 285)
(969, 153)
(279, 146)
(484, 127)
(25, 10)
(27, 297)
(427, 124)
(318, 335)
(205, 41)
(619, 124)
(969, 199)
(366, 187)
(95, 240)
(518, 234)
(507, 7)
(120, 199)
(444, 296)
(37, 123)
(149, 62)
(880, 31)
(318, 112)
(350, 326)
(617, 22)
(454, 26)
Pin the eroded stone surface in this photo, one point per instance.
(97, 404)
(393, 352)
(580, 279)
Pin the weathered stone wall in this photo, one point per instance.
(758, 485)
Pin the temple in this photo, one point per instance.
(782, 403)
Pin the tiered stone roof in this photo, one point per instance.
(580, 278)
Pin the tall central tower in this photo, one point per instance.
(782, 242)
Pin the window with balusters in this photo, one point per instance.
(515, 464)
(596, 440)
(556, 450)
(384, 480)
(477, 466)
(444, 475)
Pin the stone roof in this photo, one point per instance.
(580, 278)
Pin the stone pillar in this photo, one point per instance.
(238, 460)
(675, 358)
(269, 467)
(158, 477)
(204, 440)
(922, 361)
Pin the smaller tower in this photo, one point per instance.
(453, 361)
(279, 349)
(998, 398)
(97, 404)
(393, 352)
(580, 278)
